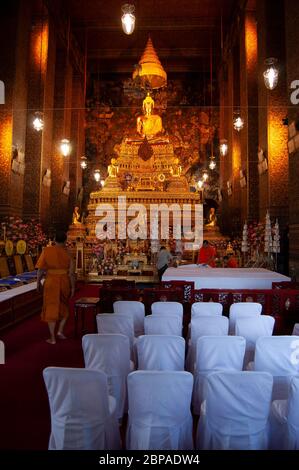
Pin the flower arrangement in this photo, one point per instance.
(256, 234)
(106, 267)
(98, 250)
(31, 231)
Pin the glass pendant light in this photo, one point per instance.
(205, 175)
(223, 147)
(38, 121)
(65, 147)
(212, 164)
(271, 73)
(128, 18)
(97, 175)
(238, 122)
(83, 163)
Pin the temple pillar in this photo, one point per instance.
(226, 117)
(38, 62)
(78, 137)
(249, 111)
(47, 140)
(292, 70)
(237, 197)
(14, 37)
(272, 105)
(61, 130)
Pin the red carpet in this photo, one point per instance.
(24, 410)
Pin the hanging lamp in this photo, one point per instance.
(271, 73)
(128, 18)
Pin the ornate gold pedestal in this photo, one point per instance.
(146, 171)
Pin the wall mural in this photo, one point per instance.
(112, 111)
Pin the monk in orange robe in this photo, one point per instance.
(206, 254)
(56, 264)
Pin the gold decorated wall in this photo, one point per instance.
(112, 111)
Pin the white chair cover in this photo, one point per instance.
(110, 353)
(284, 422)
(242, 308)
(234, 413)
(159, 410)
(161, 352)
(206, 308)
(168, 308)
(162, 325)
(118, 323)
(213, 354)
(251, 328)
(82, 413)
(132, 308)
(296, 330)
(211, 325)
(277, 355)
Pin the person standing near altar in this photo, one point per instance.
(179, 249)
(206, 254)
(56, 264)
(163, 260)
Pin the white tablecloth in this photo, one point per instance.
(17, 291)
(224, 278)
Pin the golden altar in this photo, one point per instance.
(145, 171)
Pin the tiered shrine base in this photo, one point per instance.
(97, 260)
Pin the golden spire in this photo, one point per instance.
(150, 70)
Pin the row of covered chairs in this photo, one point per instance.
(236, 412)
(136, 309)
(111, 353)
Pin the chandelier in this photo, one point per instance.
(97, 175)
(38, 121)
(238, 122)
(212, 164)
(223, 147)
(65, 147)
(271, 73)
(83, 163)
(128, 18)
(205, 175)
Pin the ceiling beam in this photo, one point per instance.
(153, 24)
(164, 53)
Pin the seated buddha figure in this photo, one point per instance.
(212, 218)
(149, 124)
(112, 168)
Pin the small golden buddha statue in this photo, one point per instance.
(150, 124)
(76, 216)
(112, 168)
(212, 219)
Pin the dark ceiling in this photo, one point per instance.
(183, 32)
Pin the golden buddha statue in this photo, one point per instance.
(112, 168)
(150, 124)
(76, 216)
(212, 219)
